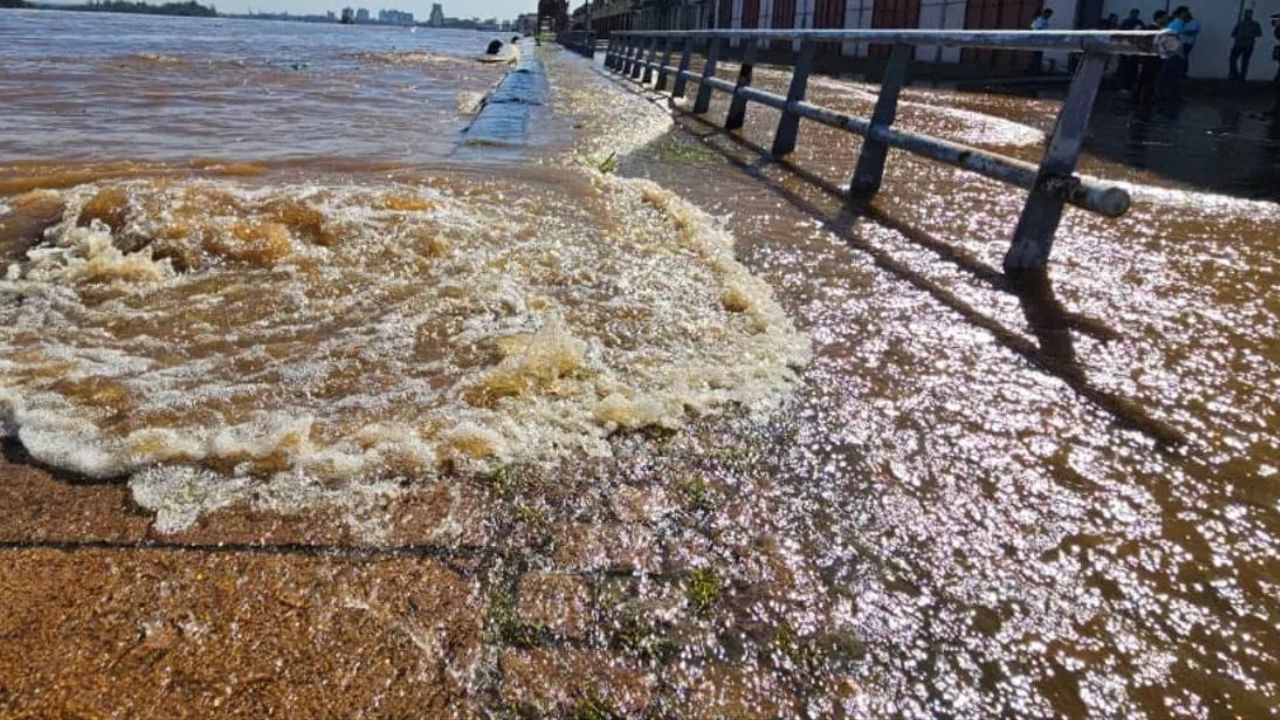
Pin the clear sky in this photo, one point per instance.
(501, 9)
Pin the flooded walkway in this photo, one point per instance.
(973, 498)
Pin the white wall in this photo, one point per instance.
(1064, 17)
(736, 21)
(804, 19)
(1217, 18)
(1209, 60)
(857, 15)
(941, 15)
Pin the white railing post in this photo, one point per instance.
(638, 67)
(686, 57)
(653, 57)
(784, 140)
(870, 171)
(628, 44)
(737, 116)
(703, 101)
(667, 44)
(1033, 237)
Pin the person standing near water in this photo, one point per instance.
(1145, 88)
(1037, 58)
(1244, 36)
(1133, 22)
(1127, 70)
(1275, 55)
(1190, 33)
(1172, 69)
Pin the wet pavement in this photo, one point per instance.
(1050, 497)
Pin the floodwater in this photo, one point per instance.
(795, 459)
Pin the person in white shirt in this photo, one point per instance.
(1042, 20)
(1037, 58)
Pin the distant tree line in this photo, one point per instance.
(189, 8)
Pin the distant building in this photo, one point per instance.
(395, 17)
(437, 16)
(553, 15)
(362, 15)
(527, 24)
(348, 16)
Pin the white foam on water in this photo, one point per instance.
(1203, 202)
(291, 347)
(469, 103)
(612, 124)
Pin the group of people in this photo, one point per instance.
(1158, 78)
(1153, 78)
(1244, 36)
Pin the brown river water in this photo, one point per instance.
(257, 264)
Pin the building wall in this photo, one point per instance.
(943, 15)
(857, 14)
(1209, 59)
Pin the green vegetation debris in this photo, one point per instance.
(695, 494)
(609, 166)
(505, 480)
(505, 628)
(704, 588)
(593, 708)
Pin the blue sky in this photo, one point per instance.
(501, 9)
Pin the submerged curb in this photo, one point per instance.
(504, 115)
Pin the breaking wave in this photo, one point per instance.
(300, 337)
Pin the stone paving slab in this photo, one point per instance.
(41, 508)
(153, 633)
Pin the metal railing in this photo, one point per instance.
(1052, 184)
(581, 42)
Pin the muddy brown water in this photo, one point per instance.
(978, 497)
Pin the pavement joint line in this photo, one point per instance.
(317, 550)
(328, 551)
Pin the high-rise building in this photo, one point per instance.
(395, 17)
(437, 16)
(362, 15)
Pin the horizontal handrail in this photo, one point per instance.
(1052, 184)
(1131, 42)
(1086, 193)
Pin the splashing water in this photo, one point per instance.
(319, 334)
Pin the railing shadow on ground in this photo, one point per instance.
(1048, 320)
